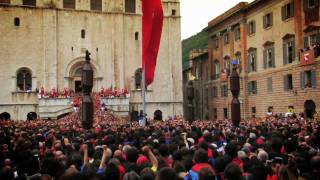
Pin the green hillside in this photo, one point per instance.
(198, 41)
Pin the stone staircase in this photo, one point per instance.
(53, 108)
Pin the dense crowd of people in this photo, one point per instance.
(277, 147)
(271, 149)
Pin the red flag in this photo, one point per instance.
(152, 22)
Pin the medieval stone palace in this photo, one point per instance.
(43, 44)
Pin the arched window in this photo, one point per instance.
(226, 64)
(5, 116)
(78, 72)
(32, 116)
(238, 58)
(216, 69)
(24, 80)
(138, 78)
(157, 115)
(17, 21)
(83, 33)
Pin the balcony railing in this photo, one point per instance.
(307, 57)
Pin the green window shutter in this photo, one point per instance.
(292, 9)
(285, 55)
(314, 79)
(248, 64)
(264, 22)
(302, 80)
(306, 42)
(294, 49)
(265, 66)
(271, 19)
(255, 60)
(273, 60)
(254, 27)
(283, 13)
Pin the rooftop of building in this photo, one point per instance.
(237, 8)
(240, 7)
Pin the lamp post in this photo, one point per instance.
(235, 90)
(87, 84)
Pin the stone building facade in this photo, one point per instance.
(47, 39)
(200, 69)
(273, 43)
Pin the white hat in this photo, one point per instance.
(214, 145)
(191, 140)
(262, 155)
(242, 154)
(252, 136)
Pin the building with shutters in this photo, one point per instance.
(200, 68)
(274, 43)
(43, 43)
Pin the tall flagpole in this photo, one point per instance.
(144, 120)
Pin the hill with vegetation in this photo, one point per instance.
(198, 41)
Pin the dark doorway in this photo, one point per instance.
(157, 115)
(5, 116)
(32, 116)
(77, 87)
(309, 108)
(134, 116)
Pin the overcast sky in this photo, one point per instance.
(197, 13)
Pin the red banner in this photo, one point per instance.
(152, 22)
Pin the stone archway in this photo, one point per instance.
(309, 108)
(73, 74)
(5, 116)
(32, 116)
(158, 115)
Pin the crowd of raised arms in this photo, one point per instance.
(276, 148)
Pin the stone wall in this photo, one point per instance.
(48, 42)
